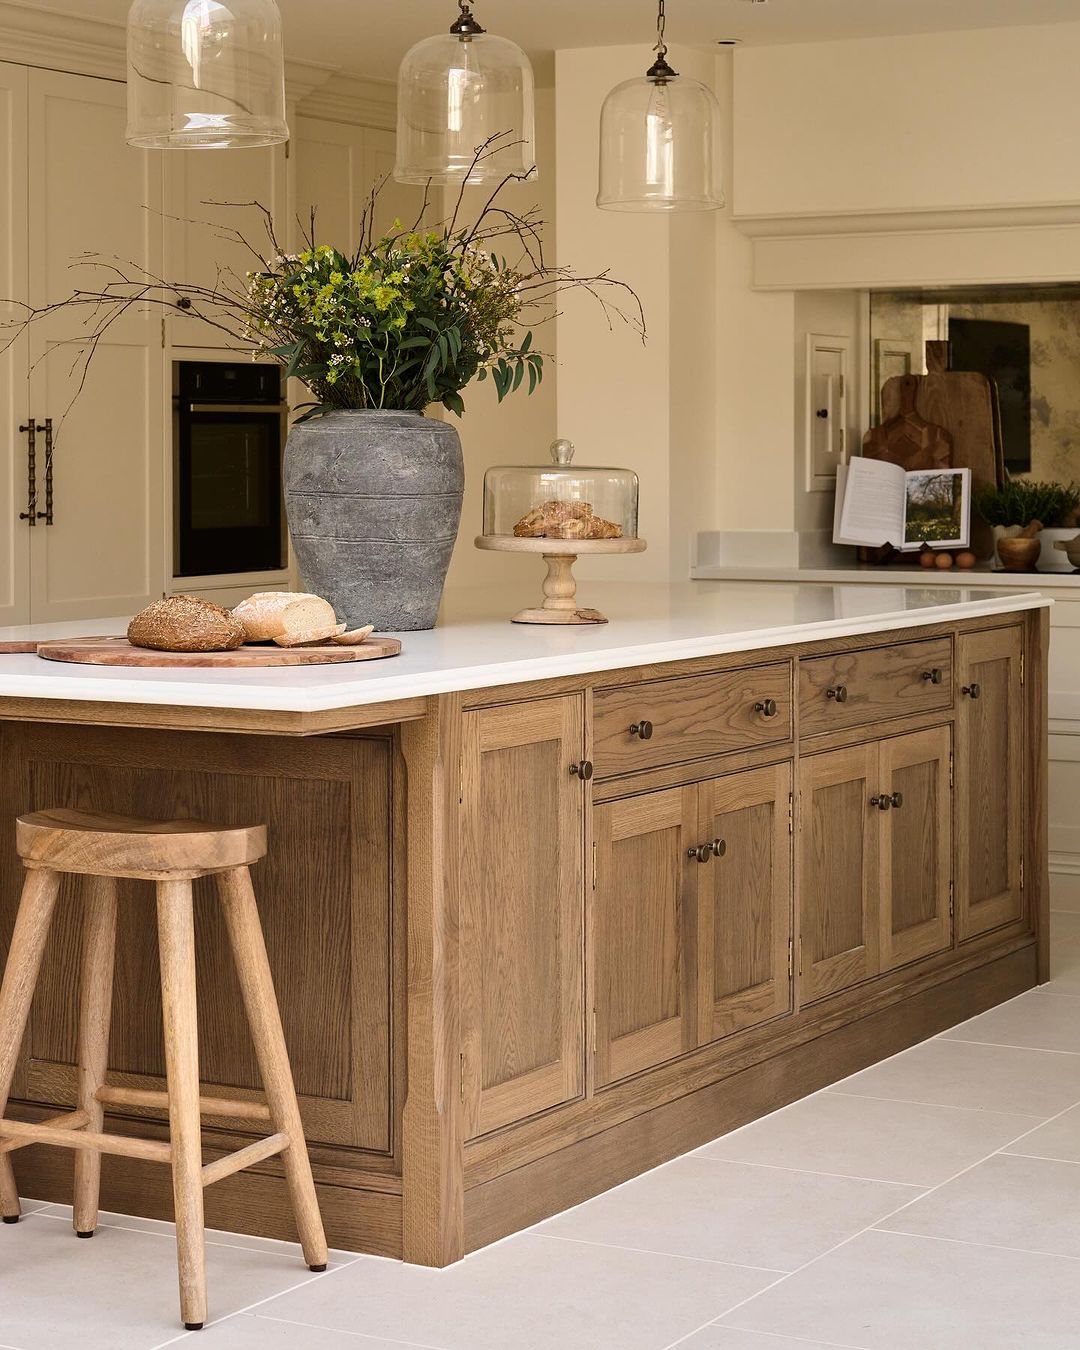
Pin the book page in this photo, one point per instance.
(937, 509)
(870, 503)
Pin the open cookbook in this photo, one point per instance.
(879, 503)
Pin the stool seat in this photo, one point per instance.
(95, 843)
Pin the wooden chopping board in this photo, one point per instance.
(906, 437)
(118, 651)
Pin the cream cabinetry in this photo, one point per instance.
(337, 166)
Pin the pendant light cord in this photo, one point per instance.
(660, 71)
(661, 26)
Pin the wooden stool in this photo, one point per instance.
(171, 854)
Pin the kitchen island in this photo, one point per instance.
(547, 907)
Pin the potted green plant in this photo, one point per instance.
(1020, 502)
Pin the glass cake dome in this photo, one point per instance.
(560, 500)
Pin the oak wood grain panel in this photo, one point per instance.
(840, 849)
(916, 856)
(691, 718)
(643, 931)
(522, 957)
(881, 682)
(1036, 786)
(324, 897)
(990, 782)
(744, 904)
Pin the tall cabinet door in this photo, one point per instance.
(839, 900)
(744, 902)
(916, 856)
(522, 900)
(14, 533)
(990, 775)
(643, 937)
(103, 553)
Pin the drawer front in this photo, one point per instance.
(644, 726)
(850, 689)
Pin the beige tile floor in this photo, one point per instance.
(931, 1202)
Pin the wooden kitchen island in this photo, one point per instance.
(547, 907)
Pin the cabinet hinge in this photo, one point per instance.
(800, 957)
(461, 1075)
(1021, 668)
(1021, 874)
(594, 1031)
(594, 865)
(791, 958)
(952, 769)
(163, 340)
(791, 813)
(461, 787)
(952, 898)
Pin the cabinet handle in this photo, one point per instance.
(719, 847)
(47, 514)
(897, 800)
(30, 515)
(972, 690)
(839, 693)
(766, 706)
(882, 801)
(933, 676)
(642, 730)
(584, 770)
(702, 853)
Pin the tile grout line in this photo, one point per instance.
(974, 1242)
(1006, 1045)
(360, 1335)
(652, 1251)
(871, 1227)
(807, 1171)
(908, 1101)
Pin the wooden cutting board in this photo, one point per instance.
(118, 651)
(906, 437)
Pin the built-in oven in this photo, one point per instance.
(229, 427)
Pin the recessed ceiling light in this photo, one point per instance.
(728, 42)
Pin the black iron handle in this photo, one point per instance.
(933, 676)
(643, 730)
(766, 706)
(31, 513)
(837, 693)
(47, 514)
(584, 770)
(972, 690)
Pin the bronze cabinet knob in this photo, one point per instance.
(882, 801)
(701, 854)
(766, 706)
(584, 770)
(837, 693)
(719, 847)
(643, 730)
(933, 676)
(897, 800)
(972, 690)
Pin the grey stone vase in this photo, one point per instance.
(374, 503)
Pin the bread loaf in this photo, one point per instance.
(185, 623)
(288, 618)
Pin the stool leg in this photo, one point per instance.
(32, 923)
(176, 945)
(95, 1018)
(264, 1018)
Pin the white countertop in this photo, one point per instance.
(475, 647)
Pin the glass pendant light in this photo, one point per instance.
(658, 141)
(458, 92)
(205, 74)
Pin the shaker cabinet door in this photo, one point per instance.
(744, 902)
(522, 901)
(643, 937)
(989, 784)
(839, 885)
(916, 855)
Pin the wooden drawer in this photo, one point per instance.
(690, 718)
(849, 689)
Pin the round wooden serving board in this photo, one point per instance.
(118, 651)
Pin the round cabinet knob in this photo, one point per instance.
(702, 853)
(642, 730)
(766, 706)
(933, 676)
(882, 801)
(584, 770)
(897, 800)
(838, 693)
(972, 690)
(719, 847)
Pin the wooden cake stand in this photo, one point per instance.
(560, 586)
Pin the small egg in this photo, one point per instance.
(966, 559)
(926, 558)
(944, 561)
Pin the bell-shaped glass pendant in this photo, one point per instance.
(465, 108)
(205, 74)
(659, 142)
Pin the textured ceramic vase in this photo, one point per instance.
(374, 504)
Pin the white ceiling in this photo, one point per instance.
(369, 36)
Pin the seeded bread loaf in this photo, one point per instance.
(185, 623)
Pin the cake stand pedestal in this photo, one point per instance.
(560, 585)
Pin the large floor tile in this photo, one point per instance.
(118, 1291)
(731, 1338)
(249, 1332)
(1029, 1203)
(724, 1211)
(884, 1291)
(1058, 1138)
(986, 1077)
(1037, 1020)
(530, 1293)
(863, 1137)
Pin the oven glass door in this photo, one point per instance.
(230, 514)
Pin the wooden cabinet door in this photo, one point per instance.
(916, 855)
(839, 900)
(522, 900)
(643, 936)
(989, 782)
(744, 902)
